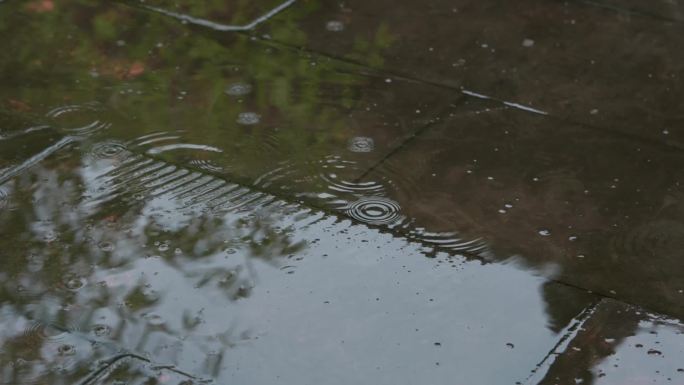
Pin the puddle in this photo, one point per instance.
(180, 204)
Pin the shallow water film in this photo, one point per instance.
(357, 192)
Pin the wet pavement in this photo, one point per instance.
(341, 192)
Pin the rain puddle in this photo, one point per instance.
(191, 194)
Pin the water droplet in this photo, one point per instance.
(248, 118)
(154, 319)
(101, 330)
(163, 247)
(66, 350)
(106, 246)
(572, 238)
(527, 43)
(75, 283)
(238, 89)
(594, 111)
(49, 236)
(544, 232)
(510, 345)
(361, 144)
(653, 352)
(334, 26)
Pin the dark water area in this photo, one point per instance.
(300, 192)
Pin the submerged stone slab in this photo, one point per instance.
(219, 102)
(252, 290)
(599, 211)
(611, 69)
(619, 344)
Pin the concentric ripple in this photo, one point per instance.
(107, 150)
(375, 211)
(38, 333)
(160, 142)
(449, 241)
(361, 144)
(330, 180)
(78, 119)
(205, 165)
(662, 237)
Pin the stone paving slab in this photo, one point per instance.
(598, 211)
(619, 344)
(617, 71)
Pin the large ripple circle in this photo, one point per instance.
(374, 210)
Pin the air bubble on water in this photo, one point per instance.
(238, 89)
(248, 118)
(334, 26)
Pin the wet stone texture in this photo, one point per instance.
(602, 66)
(596, 210)
(308, 192)
(619, 344)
